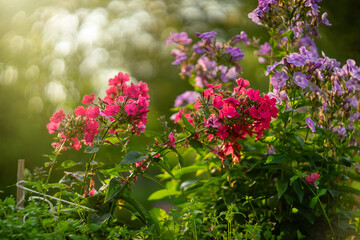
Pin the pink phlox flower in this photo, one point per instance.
(178, 115)
(80, 111)
(254, 113)
(88, 99)
(111, 110)
(132, 91)
(197, 105)
(144, 89)
(52, 127)
(223, 132)
(232, 102)
(92, 192)
(242, 83)
(264, 111)
(75, 143)
(92, 112)
(212, 121)
(143, 166)
(207, 93)
(311, 179)
(57, 116)
(131, 109)
(119, 79)
(253, 94)
(212, 86)
(142, 103)
(171, 141)
(229, 112)
(217, 101)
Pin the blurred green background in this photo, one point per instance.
(54, 52)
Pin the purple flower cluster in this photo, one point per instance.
(324, 83)
(188, 97)
(206, 61)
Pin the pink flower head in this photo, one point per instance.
(80, 111)
(253, 94)
(223, 132)
(57, 117)
(171, 142)
(207, 93)
(119, 79)
(212, 86)
(311, 179)
(92, 112)
(217, 101)
(75, 143)
(52, 127)
(92, 192)
(178, 116)
(229, 112)
(242, 82)
(111, 110)
(88, 99)
(131, 109)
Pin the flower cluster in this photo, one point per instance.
(228, 116)
(124, 108)
(325, 84)
(200, 61)
(301, 16)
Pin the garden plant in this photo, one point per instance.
(280, 165)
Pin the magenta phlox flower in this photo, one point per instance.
(80, 111)
(228, 112)
(217, 101)
(310, 123)
(111, 110)
(131, 109)
(300, 79)
(188, 97)
(223, 132)
(92, 112)
(235, 53)
(279, 79)
(88, 99)
(171, 141)
(311, 179)
(178, 38)
(212, 121)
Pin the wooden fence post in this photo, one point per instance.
(20, 196)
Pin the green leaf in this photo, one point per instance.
(322, 192)
(115, 189)
(91, 149)
(299, 190)
(188, 126)
(148, 133)
(165, 167)
(180, 158)
(300, 141)
(313, 201)
(269, 139)
(281, 187)
(163, 193)
(159, 214)
(68, 164)
(198, 146)
(276, 158)
(188, 183)
(133, 157)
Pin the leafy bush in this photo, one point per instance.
(282, 165)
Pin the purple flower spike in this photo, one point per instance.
(296, 59)
(185, 98)
(178, 38)
(300, 79)
(279, 79)
(179, 57)
(241, 38)
(206, 35)
(235, 53)
(310, 123)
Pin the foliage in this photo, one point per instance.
(282, 165)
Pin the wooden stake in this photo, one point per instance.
(20, 196)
